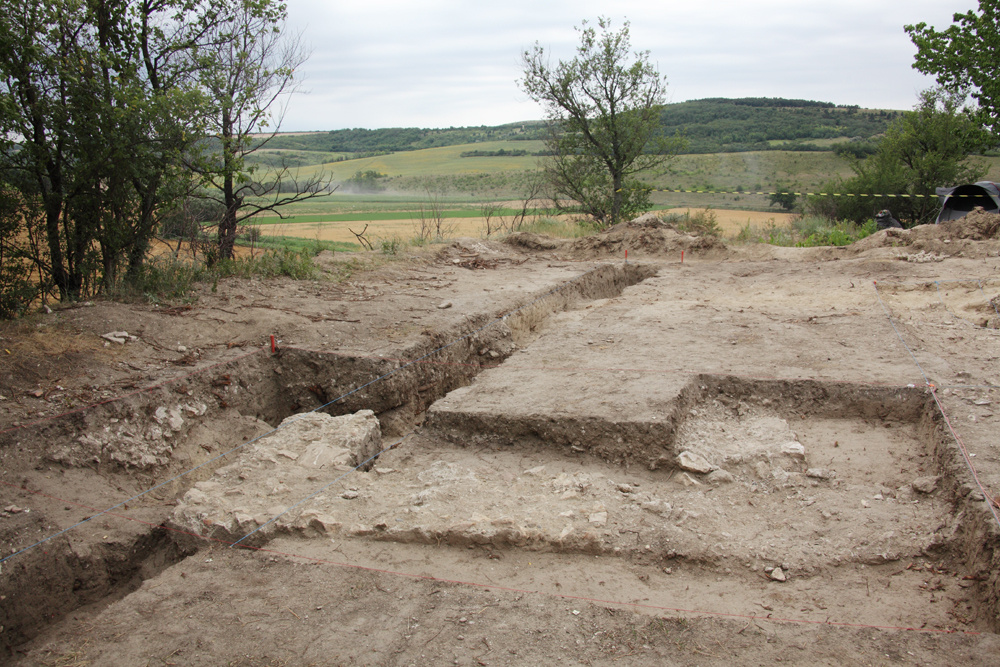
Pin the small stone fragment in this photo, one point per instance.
(821, 473)
(598, 518)
(720, 476)
(444, 304)
(350, 494)
(926, 484)
(794, 449)
(687, 480)
(777, 574)
(120, 337)
(693, 462)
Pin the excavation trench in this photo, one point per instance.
(831, 482)
(865, 475)
(595, 486)
(171, 437)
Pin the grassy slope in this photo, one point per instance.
(435, 161)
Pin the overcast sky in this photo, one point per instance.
(442, 63)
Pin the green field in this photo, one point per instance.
(418, 178)
(418, 182)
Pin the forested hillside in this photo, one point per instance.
(711, 126)
(754, 124)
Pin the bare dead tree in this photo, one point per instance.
(493, 222)
(249, 81)
(534, 189)
(362, 239)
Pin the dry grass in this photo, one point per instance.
(31, 349)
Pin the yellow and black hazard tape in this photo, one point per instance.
(809, 194)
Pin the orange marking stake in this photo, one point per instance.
(273, 347)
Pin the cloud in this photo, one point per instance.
(443, 63)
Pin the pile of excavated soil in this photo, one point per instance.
(976, 235)
(646, 236)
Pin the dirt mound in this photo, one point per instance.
(532, 241)
(977, 225)
(477, 254)
(646, 235)
(975, 235)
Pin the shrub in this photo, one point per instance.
(807, 232)
(391, 246)
(159, 278)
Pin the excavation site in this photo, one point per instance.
(534, 451)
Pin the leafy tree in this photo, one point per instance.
(246, 74)
(965, 57)
(603, 107)
(783, 197)
(96, 105)
(366, 181)
(922, 150)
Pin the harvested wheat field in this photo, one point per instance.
(520, 453)
(730, 223)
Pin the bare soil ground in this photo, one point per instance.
(758, 455)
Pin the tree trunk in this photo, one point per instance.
(227, 226)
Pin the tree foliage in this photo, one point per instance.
(756, 124)
(783, 197)
(95, 106)
(922, 150)
(101, 102)
(965, 57)
(603, 107)
(97, 103)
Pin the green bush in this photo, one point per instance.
(770, 234)
(807, 232)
